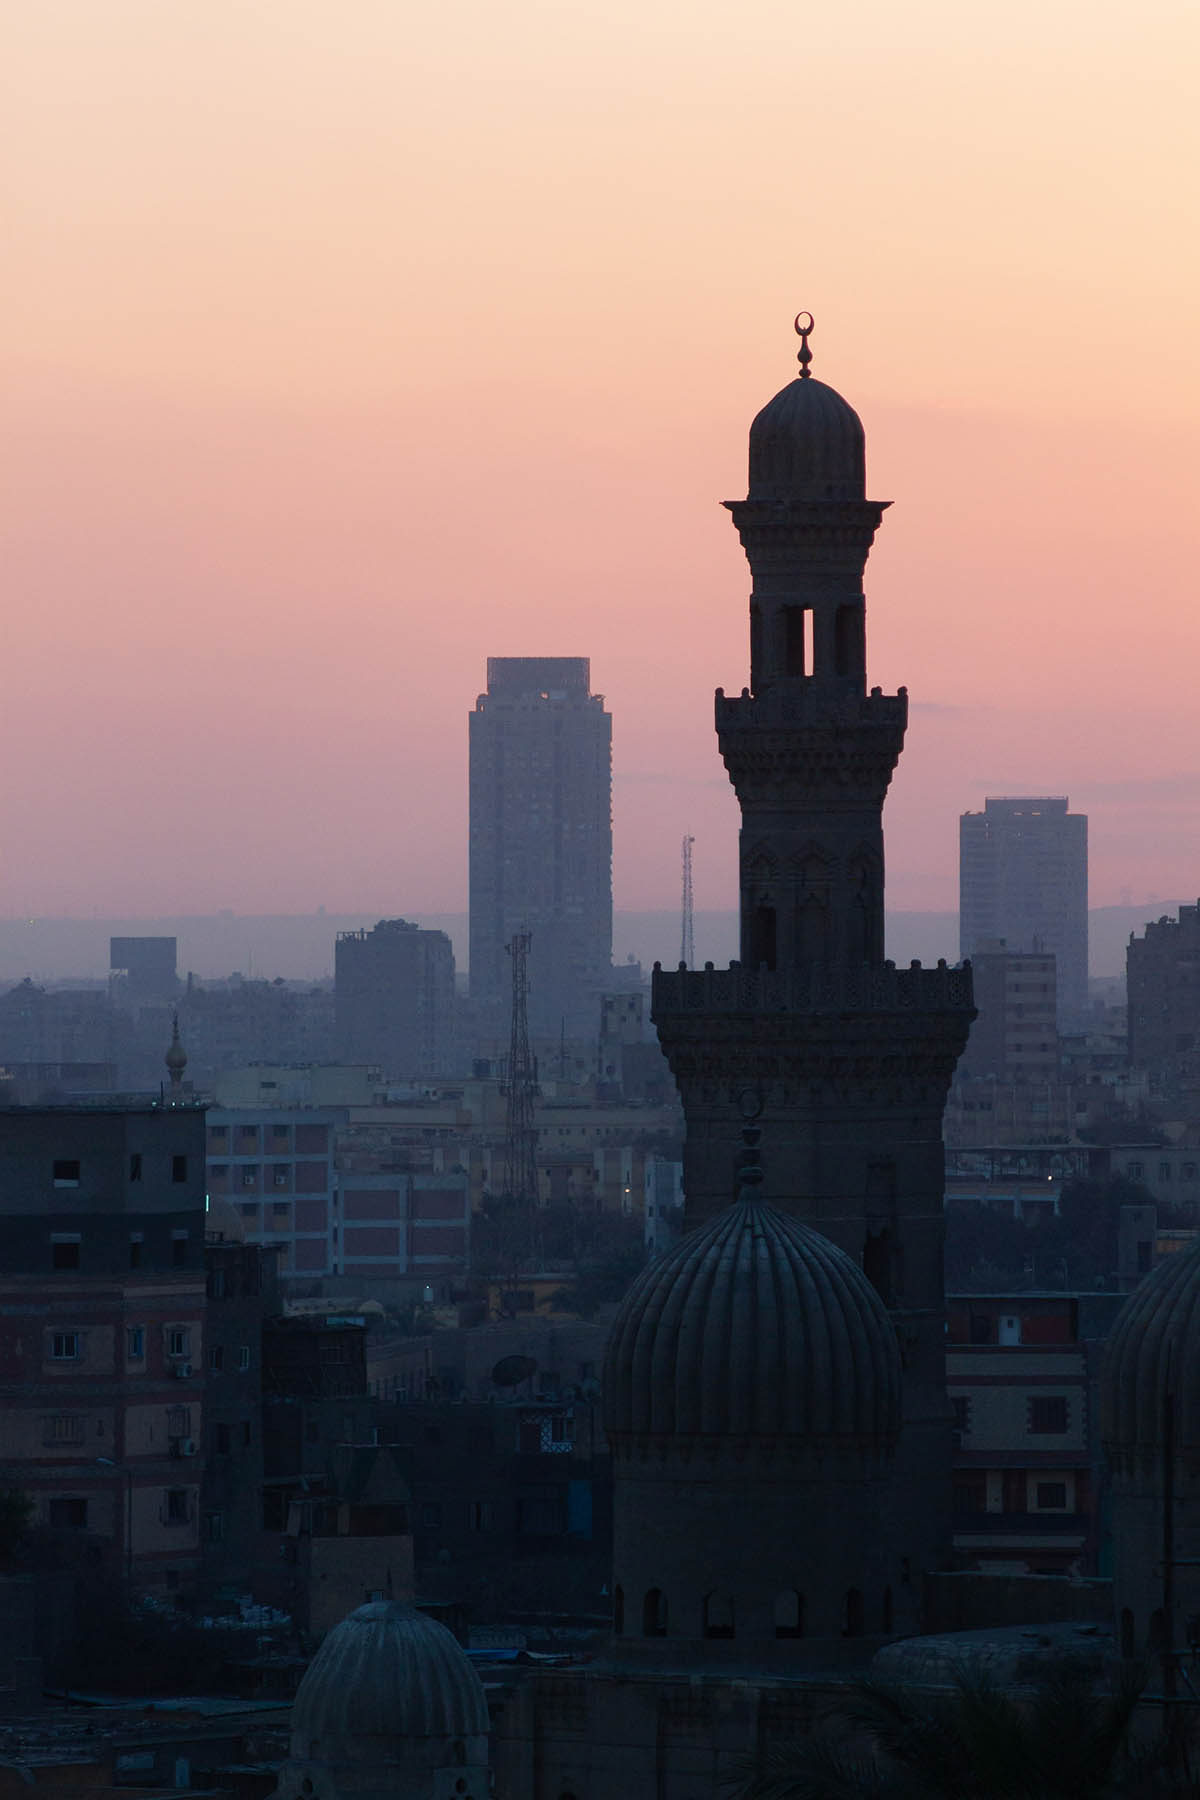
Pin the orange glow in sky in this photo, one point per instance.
(348, 345)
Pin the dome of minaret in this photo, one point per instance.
(807, 444)
(755, 1326)
(176, 1057)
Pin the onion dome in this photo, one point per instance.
(387, 1672)
(754, 1326)
(807, 444)
(1154, 1350)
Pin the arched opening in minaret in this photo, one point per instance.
(763, 937)
(855, 1614)
(789, 1614)
(877, 1262)
(654, 1613)
(618, 1611)
(797, 640)
(849, 641)
(718, 1615)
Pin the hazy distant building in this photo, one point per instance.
(1022, 875)
(1015, 1037)
(142, 969)
(1163, 981)
(541, 841)
(394, 998)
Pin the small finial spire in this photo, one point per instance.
(176, 1057)
(749, 1174)
(804, 356)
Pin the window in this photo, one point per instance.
(431, 1515)
(135, 1166)
(249, 1178)
(218, 1134)
(216, 1284)
(175, 1506)
(789, 1614)
(718, 1615)
(1188, 1172)
(1164, 1171)
(1052, 1496)
(962, 1413)
(179, 1421)
(479, 1515)
(67, 1513)
(135, 1343)
(654, 1613)
(64, 1428)
(214, 1527)
(1136, 1170)
(64, 1346)
(279, 1175)
(66, 1173)
(244, 1358)
(216, 1358)
(1048, 1414)
(178, 1340)
(135, 1249)
(222, 1440)
(179, 1249)
(179, 1168)
(250, 1212)
(64, 1251)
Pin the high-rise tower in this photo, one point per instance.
(1023, 877)
(841, 1059)
(541, 842)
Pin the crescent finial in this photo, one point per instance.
(804, 356)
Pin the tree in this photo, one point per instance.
(1062, 1741)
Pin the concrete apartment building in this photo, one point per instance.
(394, 999)
(1021, 1370)
(1163, 987)
(102, 1328)
(1023, 877)
(541, 844)
(1015, 1036)
(276, 1166)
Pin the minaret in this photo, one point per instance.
(176, 1061)
(843, 1060)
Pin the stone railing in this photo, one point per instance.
(824, 989)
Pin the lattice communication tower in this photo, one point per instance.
(687, 938)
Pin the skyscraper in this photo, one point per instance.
(1022, 876)
(541, 842)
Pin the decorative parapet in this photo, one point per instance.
(833, 989)
(811, 707)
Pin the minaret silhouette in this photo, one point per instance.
(843, 1060)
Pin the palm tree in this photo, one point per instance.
(1063, 1741)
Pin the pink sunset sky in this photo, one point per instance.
(351, 343)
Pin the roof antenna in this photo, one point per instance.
(804, 356)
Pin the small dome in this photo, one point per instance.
(753, 1326)
(1157, 1334)
(807, 444)
(386, 1672)
(176, 1057)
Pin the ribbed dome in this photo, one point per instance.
(1158, 1329)
(754, 1326)
(807, 444)
(387, 1672)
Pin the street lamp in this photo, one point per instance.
(108, 1463)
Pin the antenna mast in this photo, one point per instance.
(520, 1134)
(687, 941)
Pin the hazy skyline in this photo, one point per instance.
(348, 347)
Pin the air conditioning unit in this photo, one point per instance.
(187, 1446)
(182, 1370)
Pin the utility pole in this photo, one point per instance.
(520, 1136)
(687, 940)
